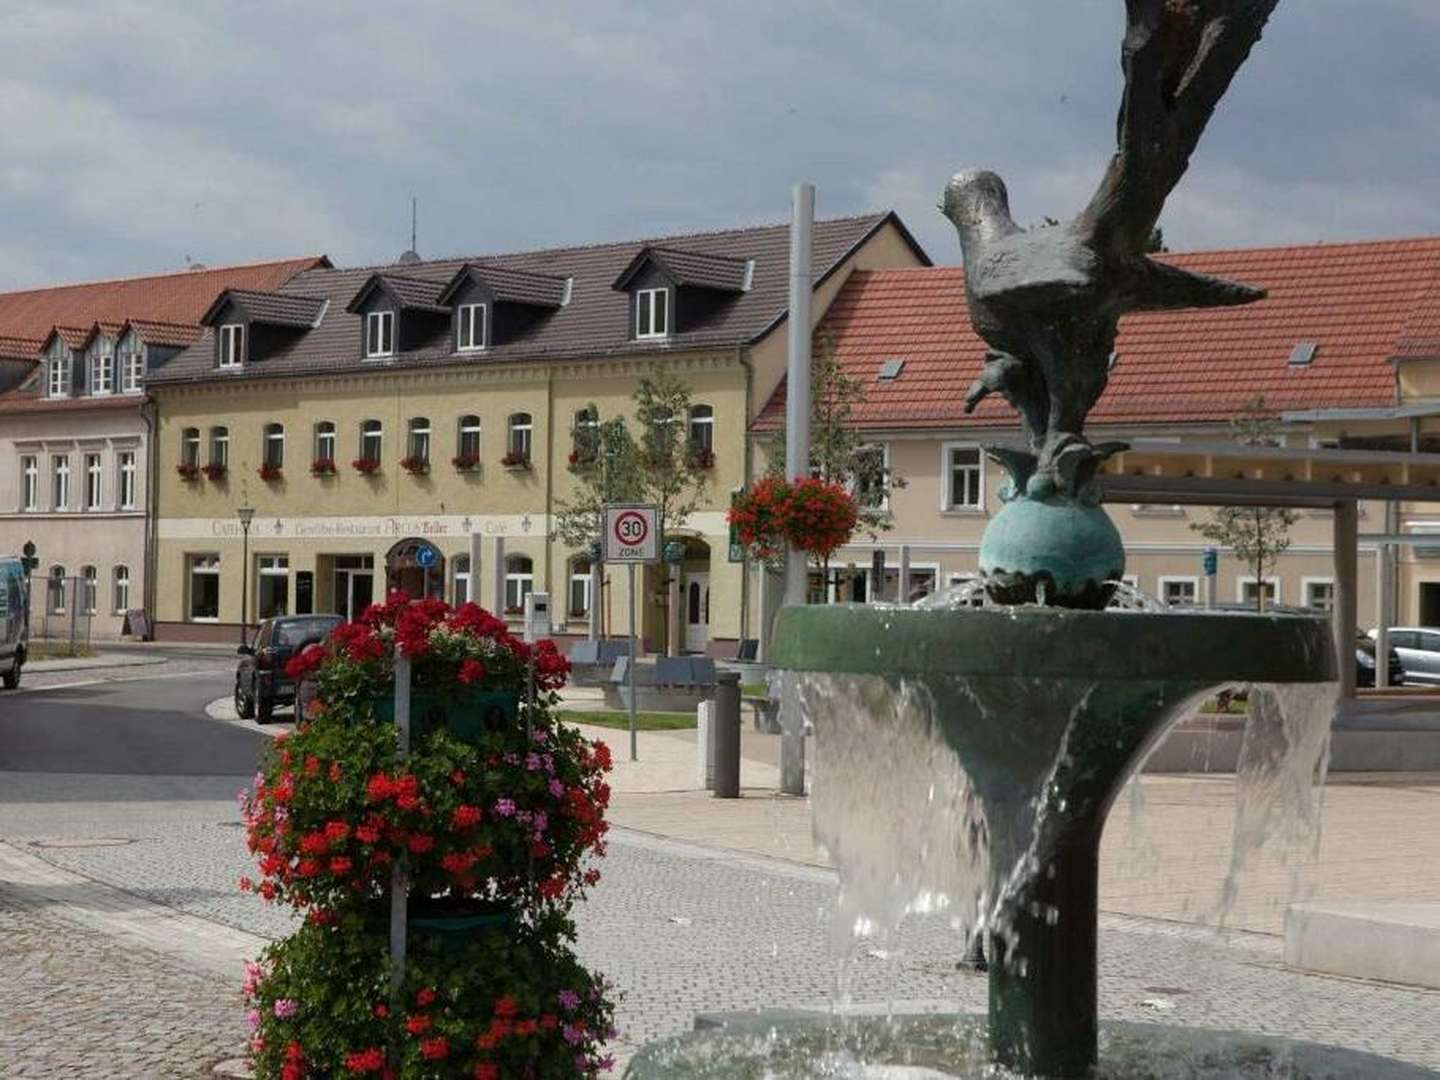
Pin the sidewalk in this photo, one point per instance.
(87, 663)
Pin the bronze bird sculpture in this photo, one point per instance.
(1047, 301)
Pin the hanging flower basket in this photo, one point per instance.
(415, 466)
(813, 515)
(214, 472)
(366, 466)
(188, 473)
(322, 467)
(269, 473)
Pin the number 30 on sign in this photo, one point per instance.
(631, 533)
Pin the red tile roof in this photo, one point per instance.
(20, 348)
(1361, 303)
(163, 333)
(180, 297)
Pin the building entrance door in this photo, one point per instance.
(354, 584)
(697, 612)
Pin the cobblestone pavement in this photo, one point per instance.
(76, 1005)
(683, 929)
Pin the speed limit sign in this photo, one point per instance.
(631, 533)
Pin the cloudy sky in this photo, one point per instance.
(137, 135)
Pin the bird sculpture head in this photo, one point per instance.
(975, 198)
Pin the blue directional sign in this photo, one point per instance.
(1211, 561)
(426, 556)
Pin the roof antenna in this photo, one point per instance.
(410, 257)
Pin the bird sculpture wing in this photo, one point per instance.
(1178, 58)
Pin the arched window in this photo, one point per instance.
(121, 579)
(324, 447)
(89, 578)
(467, 441)
(418, 449)
(55, 591)
(460, 587)
(520, 430)
(220, 447)
(579, 600)
(585, 436)
(519, 580)
(274, 449)
(190, 447)
(370, 444)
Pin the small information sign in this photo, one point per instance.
(631, 533)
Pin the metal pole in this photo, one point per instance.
(596, 572)
(902, 590)
(398, 883)
(1345, 531)
(630, 667)
(244, 579)
(797, 373)
(1383, 615)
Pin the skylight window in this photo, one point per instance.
(1303, 353)
(890, 370)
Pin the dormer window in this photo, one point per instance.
(652, 312)
(102, 369)
(232, 345)
(380, 333)
(470, 327)
(60, 373)
(132, 369)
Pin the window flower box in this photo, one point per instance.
(270, 473)
(516, 461)
(322, 467)
(514, 611)
(188, 473)
(580, 460)
(467, 463)
(702, 459)
(214, 472)
(366, 466)
(415, 466)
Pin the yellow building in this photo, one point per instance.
(411, 425)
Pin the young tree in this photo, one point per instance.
(839, 452)
(606, 464)
(1258, 535)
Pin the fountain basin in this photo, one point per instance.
(793, 1045)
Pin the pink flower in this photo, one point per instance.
(254, 976)
(505, 807)
(252, 1017)
(286, 1008)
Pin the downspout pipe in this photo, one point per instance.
(150, 417)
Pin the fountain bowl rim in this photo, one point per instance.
(1202, 648)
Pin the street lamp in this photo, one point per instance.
(246, 514)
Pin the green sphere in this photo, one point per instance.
(1067, 549)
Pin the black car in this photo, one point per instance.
(1365, 663)
(260, 680)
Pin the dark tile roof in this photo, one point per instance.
(181, 297)
(511, 285)
(594, 322)
(417, 294)
(690, 268)
(269, 308)
(1358, 302)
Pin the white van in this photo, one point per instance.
(14, 620)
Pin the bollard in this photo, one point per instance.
(726, 728)
(705, 744)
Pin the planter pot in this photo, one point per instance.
(456, 924)
(466, 714)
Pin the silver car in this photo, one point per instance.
(1419, 649)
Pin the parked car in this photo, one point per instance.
(260, 680)
(14, 621)
(1419, 649)
(1365, 663)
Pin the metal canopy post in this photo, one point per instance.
(1346, 543)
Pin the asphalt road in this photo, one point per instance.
(139, 727)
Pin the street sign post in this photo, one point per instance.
(1210, 563)
(630, 533)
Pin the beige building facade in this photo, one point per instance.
(375, 456)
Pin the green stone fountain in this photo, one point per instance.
(1047, 702)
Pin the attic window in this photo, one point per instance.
(1303, 353)
(380, 333)
(890, 370)
(471, 327)
(232, 345)
(652, 312)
